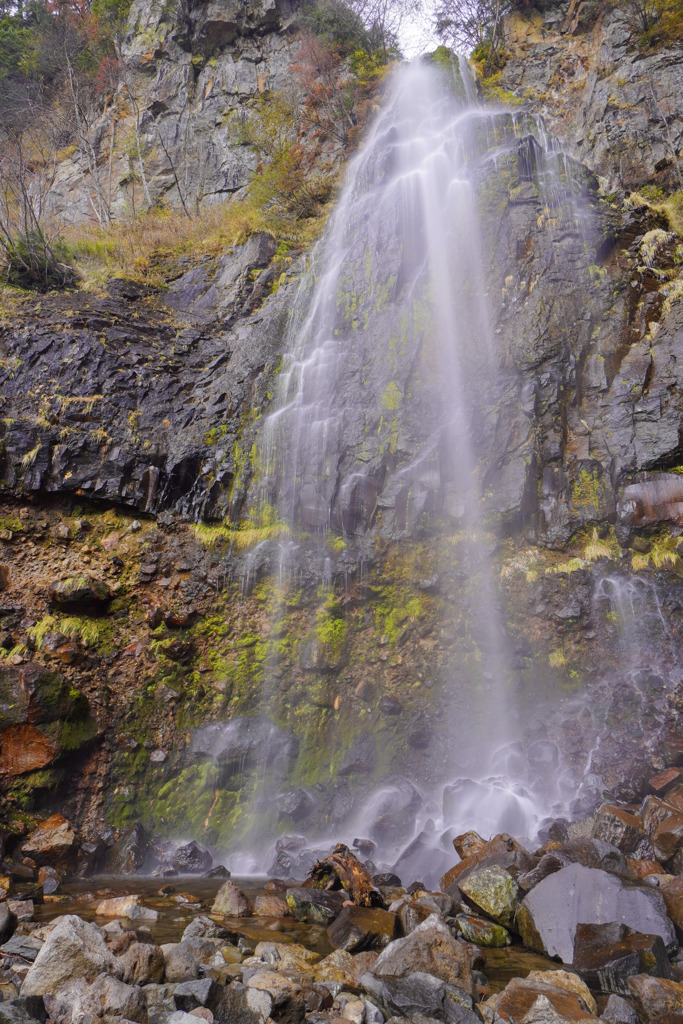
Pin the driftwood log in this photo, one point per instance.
(341, 870)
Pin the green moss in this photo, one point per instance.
(331, 632)
(589, 493)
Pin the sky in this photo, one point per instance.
(417, 34)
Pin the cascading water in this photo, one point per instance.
(393, 310)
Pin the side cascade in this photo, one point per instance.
(393, 313)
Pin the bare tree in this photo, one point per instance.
(466, 24)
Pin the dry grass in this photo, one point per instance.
(147, 248)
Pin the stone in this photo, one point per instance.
(493, 890)
(142, 964)
(190, 994)
(482, 932)
(129, 853)
(24, 748)
(54, 842)
(668, 837)
(672, 891)
(502, 851)
(607, 955)
(191, 859)
(230, 901)
(468, 844)
(159, 1000)
(129, 907)
(73, 949)
(619, 1011)
(429, 949)
(8, 923)
(665, 780)
(618, 827)
(289, 956)
(182, 961)
(270, 906)
(538, 999)
(202, 927)
(548, 916)
(655, 997)
(241, 1005)
(105, 998)
(80, 593)
(356, 929)
(22, 1010)
(288, 1005)
(315, 906)
(418, 993)
(23, 909)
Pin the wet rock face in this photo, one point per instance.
(139, 432)
(615, 108)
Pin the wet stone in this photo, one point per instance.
(548, 917)
(493, 890)
(362, 928)
(315, 906)
(482, 932)
(230, 901)
(607, 955)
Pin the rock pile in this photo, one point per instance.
(603, 898)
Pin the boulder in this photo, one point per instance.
(493, 890)
(607, 955)
(315, 906)
(8, 923)
(270, 906)
(288, 1005)
(142, 964)
(202, 992)
(129, 907)
(230, 901)
(619, 1011)
(548, 916)
(618, 827)
(22, 1010)
(361, 928)
(105, 998)
(482, 932)
(191, 859)
(668, 837)
(54, 842)
(159, 1000)
(129, 853)
(420, 993)
(542, 998)
(80, 593)
(502, 850)
(202, 927)
(468, 844)
(672, 891)
(182, 961)
(655, 997)
(73, 949)
(241, 1005)
(429, 949)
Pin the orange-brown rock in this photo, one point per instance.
(672, 891)
(655, 996)
(664, 780)
(467, 844)
(270, 906)
(25, 749)
(54, 842)
(643, 868)
(668, 837)
(522, 997)
(502, 850)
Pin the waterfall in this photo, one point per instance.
(392, 312)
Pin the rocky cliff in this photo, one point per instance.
(130, 444)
